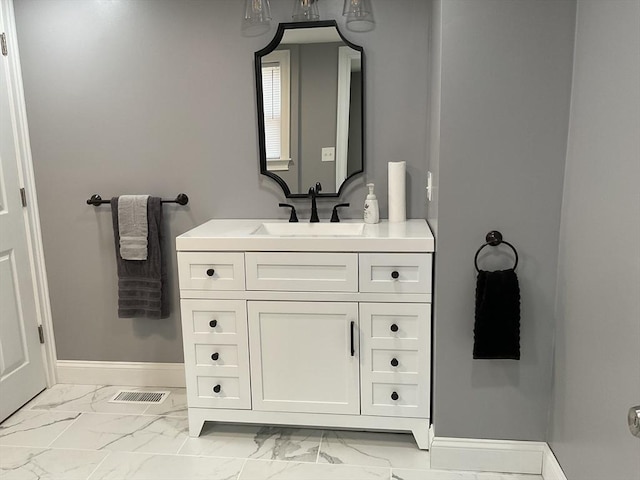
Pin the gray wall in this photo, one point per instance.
(158, 97)
(434, 57)
(597, 362)
(318, 110)
(505, 89)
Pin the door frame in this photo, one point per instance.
(27, 181)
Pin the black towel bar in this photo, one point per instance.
(494, 238)
(96, 200)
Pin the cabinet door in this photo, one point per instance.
(304, 356)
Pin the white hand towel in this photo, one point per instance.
(133, 225)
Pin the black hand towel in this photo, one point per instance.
(497, 325)
(142, 284)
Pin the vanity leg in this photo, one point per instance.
(421, 435)
(196, 422)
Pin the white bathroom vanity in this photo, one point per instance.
(325, 324)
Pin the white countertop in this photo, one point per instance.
(239, 235)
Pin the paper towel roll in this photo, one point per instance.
(397, 192)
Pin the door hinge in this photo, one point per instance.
(3, 41)
(41, 333)
(23, 197)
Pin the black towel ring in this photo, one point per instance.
(494, 238)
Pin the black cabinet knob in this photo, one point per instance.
(394, 327)
(394, 396)
(217, 388)
(213, 323)
(394, 362)
(215, 356)
(395, 274)
(210, 272)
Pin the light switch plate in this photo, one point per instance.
(429, 186)
(329, 154)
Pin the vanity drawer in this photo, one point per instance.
(302, 272)
(232, 392)
(216, 356)
(396, 400)
(211, 271)
(402, 332)
(214, 321)
(396, 322)
(395, 361)
(395, 272)
(216, 326)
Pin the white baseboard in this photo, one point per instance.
(551, 469)
(138, 374)
(487, 455)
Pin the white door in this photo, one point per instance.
(304, 356)
(22, 373)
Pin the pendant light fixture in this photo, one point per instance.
(359, 15)
(305, 11)
(257, 17)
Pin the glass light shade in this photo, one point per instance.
(305, 11)
(257, 17)
(359, 15)
(356, 7)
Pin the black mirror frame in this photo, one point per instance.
(260, 103)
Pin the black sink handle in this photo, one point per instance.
(334, 215)
(293, 217)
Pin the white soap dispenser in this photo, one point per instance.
(371, 210)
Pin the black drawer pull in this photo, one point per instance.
(353, 345)
(395, 274)
(215, 356)
(217, 388)
(394, 396)
(213, 323)
(394, 327)
(394, 362)
(210, 272)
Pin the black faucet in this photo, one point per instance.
(313, 192)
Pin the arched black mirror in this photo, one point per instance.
(310, 103)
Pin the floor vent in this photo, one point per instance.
(128, 396)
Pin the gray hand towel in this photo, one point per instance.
(132, 223)
(142, 284)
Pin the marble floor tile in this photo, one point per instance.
(126, 433)
(33, 428)
(257, 442)
(174, 405)
(275, 470)
(86, 398)
(406, 474)
(396, 450)
(26, 463)
(136, 466)
(33, 401)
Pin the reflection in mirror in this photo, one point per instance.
(309, 83)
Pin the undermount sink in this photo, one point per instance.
(311, 229)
